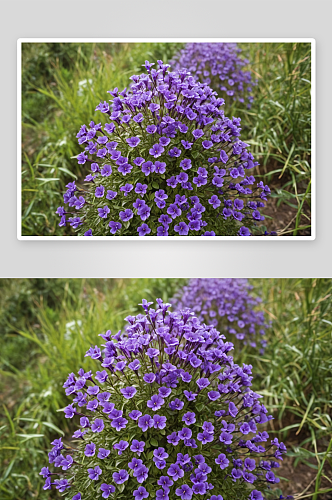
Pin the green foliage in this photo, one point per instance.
(278, 126)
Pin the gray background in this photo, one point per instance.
(159, 18)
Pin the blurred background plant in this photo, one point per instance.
(62, 84)
(48, 324)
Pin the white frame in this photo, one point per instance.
(312, 41)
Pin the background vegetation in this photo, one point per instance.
(62, 84)
(46, 326)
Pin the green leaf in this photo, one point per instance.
(155, 185)
(121, 487)
(154, 442)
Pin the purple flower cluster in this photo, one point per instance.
(220, 66)
(228, 304)
(168, 408)
(166, 162)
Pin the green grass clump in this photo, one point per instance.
(278, 126)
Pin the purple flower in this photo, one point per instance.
(160, 167)
(115, 226)
(145, 422)
(97, 425)
(165, 482)
(106, 170)
(189, 418)
(176, 404)
(121, 446)
(126, 214)
(214, 201)
(174, 153)
(190, 395)
(175, 472)
(222, 461)
(162, 495)
(156, 150)
(128, 392)
(159, 422)
(213, 395)
(126, 189)
(151, 129)
(185, 433)
(69, 411)
(99, 192)
(174, 211)
(95, 473)
(134, 414)
(148, 167)
(119, 423)
(233, 411)
(140, 493)
(81, 158)
(137, 446)
(149, 378)
(207, 144)
(203, 383)
(164, 392)
(155, 402)
(90, 450)
(103, 212)
(138, 161)
(185, 492)
(101, 377)
(223, 156)
(197, 133)
(173, 438)
(103, 453)
(256, 495)
(111, 194)
(141, 473)
(107, 489)
(143, 230)
(133, 141)
(120, 477)
(244, 231)
(225, 437)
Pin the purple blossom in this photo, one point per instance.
(140, 493)
(120, 477)
(119, 423)
(145, 422)
(133, 141)
(155, 403)
(95, 473)
(107, 489)
(103, 453)
(97, 425)
(137, 446)
(128, 392)
(159, 422)
(121, 446)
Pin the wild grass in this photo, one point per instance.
(278, 126)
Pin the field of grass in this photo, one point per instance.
(47, 338)
(63, 83)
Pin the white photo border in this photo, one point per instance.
(312, 41)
